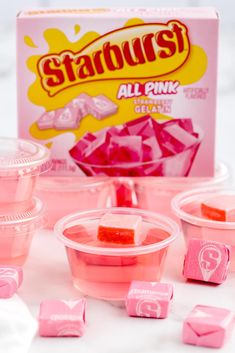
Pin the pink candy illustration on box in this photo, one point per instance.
(141, 147)
(71, 115)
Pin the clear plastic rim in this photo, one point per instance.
(62, 184)
(38, 163)
(139, 164)
(25, 217)
(222, 174)
(187, 197)
(163, 223)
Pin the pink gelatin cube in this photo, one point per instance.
(151, 149)
(219, 208)
(62, 318)
(11, 278)
(67, 118)
(81, 104)
(124, 149)
(176, 139)
(185, 124)
(206, 261)
(149, 299)
(96, 152)
(101, 107)
(208, 326)
(46, 120)
(120, 229)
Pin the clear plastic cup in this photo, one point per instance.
(16, 232)
(187, 207)
(21, 162)
(66, 195)
(104, 270)
(155, 194)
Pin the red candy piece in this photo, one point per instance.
(120, 229)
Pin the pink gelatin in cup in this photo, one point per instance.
(65, 195)
(21, 161)
(155, 194)
(105, 270)
(187, 207)
(16, 233)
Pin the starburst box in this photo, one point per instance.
(120, 92)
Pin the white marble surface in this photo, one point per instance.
(109, 330)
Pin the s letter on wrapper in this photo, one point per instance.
(149, 299)
(11, 278)
(219, 208)
(120, 228)
(206, 261)
(62, 318)
(208, 326)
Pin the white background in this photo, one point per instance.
(46, 272)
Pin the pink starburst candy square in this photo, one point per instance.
(124, 149)
(81, 104)
(120, 229)
(149, 299)
(11, 278)
(101, 107)
(176, 139)
(62, 318)
(208, 326)
(206, 261)
(67, 118)
(46, 120)
(219, 208)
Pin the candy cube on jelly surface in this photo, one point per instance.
(120, 228)
(80, 103)
(176, 139)
(219, 208)
(124, 149)
(11, 278)
(208, 326)
(46, 120)
(67, 118)
(102, 107)
(62, 318)
(149, 299)
(206, 261)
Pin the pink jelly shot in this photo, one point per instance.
(16, 233)
(187, 207)
(156, 194)
(65, 195)
(21, 162)
(105, 270)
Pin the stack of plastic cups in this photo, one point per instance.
(21, 214)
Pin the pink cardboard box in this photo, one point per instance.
(208, 326)
(11, 278)
(62, 318)
(206, 261)
(115, 66)
(149, 299)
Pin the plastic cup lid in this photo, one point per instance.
(158, 220)
(34, 216)
(22, 157)
(185, 201)
(222, 174)
(61, 184)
